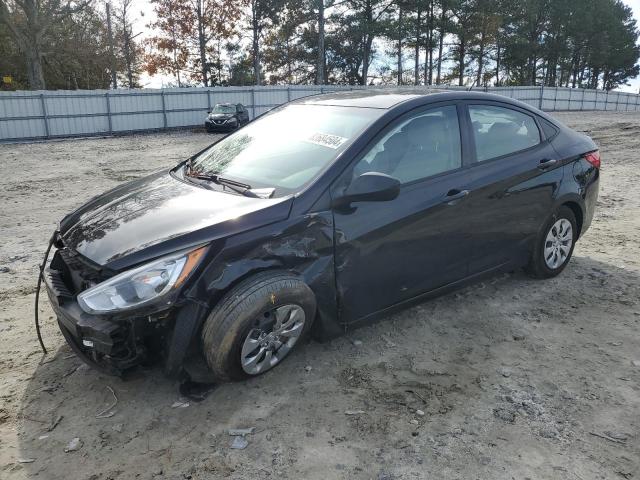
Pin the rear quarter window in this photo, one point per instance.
(548, 128)
(499, 131)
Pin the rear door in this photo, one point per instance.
(389, 252)
(513, 180)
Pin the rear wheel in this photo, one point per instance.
(257, 324)
(554, 245)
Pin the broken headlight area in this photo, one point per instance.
(150, 283)
(114, 322)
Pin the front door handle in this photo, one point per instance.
(454, 196)
(546, 163)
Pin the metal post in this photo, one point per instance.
(208, 100)
(617, 100)
(164, 110)
(288, 93)
(555, 98)
(253, 102)
(541, 96)
(626, 108)
(106, 97)
(582, 100)
(606, 101)
(45, 117)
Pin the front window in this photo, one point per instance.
(224, 109)
(286, 148)
(420, 146)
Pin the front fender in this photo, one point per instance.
(302, 246)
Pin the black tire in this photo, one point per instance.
(236, 314)
(538, 267)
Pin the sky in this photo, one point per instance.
(145, 15)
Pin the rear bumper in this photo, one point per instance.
(590, 201)
(587, 178)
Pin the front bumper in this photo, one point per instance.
(111, 347)
(210, 125)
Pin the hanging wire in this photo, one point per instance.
(40, 277)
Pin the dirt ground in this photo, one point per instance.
(511, 378)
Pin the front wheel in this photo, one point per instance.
(554, 245)
(256, 324)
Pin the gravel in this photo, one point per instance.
(569, 345)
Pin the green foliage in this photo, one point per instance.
(69, 66)
(61, 45)
(11, 63)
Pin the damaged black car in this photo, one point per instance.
(325, 214)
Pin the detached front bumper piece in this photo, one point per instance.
(108, 346)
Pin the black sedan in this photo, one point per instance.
(225, 117)
(323, 215)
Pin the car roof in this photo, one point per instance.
(386, 98)
(371, 98)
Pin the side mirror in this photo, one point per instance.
(371, 187)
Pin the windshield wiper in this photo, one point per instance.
(238, 187)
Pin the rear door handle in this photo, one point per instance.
(547, 162)
(453, 196)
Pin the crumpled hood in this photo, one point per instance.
(161, 214)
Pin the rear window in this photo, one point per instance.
(499, 131)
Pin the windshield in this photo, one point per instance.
(224, 109)
(287, 148)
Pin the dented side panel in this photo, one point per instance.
(303, 245)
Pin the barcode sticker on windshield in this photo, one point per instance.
(326, 140)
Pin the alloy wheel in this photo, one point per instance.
(273, 337)
(557, 245)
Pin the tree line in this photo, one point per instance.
(572, 43)
(59, 44)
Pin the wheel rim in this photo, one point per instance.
(272, 339)
(557, 245)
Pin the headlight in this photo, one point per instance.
(232, 120)
(139, 286)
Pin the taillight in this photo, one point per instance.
(593, 158)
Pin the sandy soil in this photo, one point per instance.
(515, 378)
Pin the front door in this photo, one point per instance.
(388, 252)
